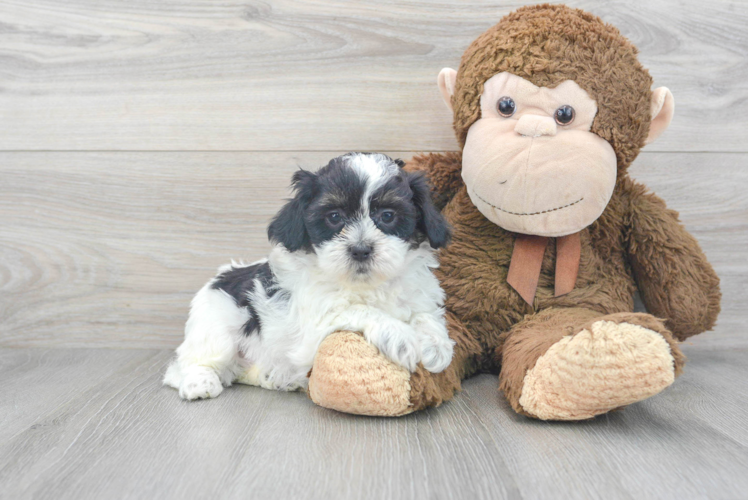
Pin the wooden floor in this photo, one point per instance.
(95, 423)
(143, 144)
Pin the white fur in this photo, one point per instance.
(396, 303)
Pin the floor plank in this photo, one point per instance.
(41, 381)
(311, 75)
(106, 249)
(122, 435)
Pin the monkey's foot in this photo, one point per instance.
(352, 376)
(605, 366)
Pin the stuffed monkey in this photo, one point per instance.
(551, 235)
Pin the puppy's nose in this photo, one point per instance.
(535, 126)
(361, 252)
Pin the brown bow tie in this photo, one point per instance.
(527, 257)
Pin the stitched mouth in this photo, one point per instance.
(529, 213)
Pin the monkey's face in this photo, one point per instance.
(531, 164)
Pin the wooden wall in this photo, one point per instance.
(142, 144)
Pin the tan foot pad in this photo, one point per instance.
(597, 370)
(350, 375)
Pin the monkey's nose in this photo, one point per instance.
(535, 126)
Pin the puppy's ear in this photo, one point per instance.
(431, 222)
(287, 227)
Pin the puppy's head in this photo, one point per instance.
(361, 215)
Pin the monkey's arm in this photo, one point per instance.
(675, 279)
(444, 172)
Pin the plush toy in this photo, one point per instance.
(551, 235)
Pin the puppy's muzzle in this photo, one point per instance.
(361, 252)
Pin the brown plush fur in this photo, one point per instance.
(547, 44)
(533, 336)
(637, 242)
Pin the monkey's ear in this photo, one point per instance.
(430, 221)
(446, 80)
(663, 106)
(288, 227)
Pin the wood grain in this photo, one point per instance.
(316, 75)
(36, 382)
(111, 431)
(107, 249)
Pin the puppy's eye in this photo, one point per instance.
(564, 115)
(334, 219)
(387, 216)
(506, 106)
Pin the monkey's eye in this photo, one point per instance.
(506, 106)
(387, 217)
(334, 219)
(564, 115)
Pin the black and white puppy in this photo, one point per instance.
(353, 250)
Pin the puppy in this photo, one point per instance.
(353, 250)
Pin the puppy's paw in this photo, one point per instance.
(200, 383)
(436, 353)
(398, 342)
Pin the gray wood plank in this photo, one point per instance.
(40, 381)
(336, 74)
(111, 246)
(128, 437)
(688, 442)
(106, 249)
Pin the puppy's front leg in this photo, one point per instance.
(395, 339)
(436, 346)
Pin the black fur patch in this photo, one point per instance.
(239, 281)
(395, 195)
(431, 222)
(339, 188)
(416, 217)
(287, 227)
